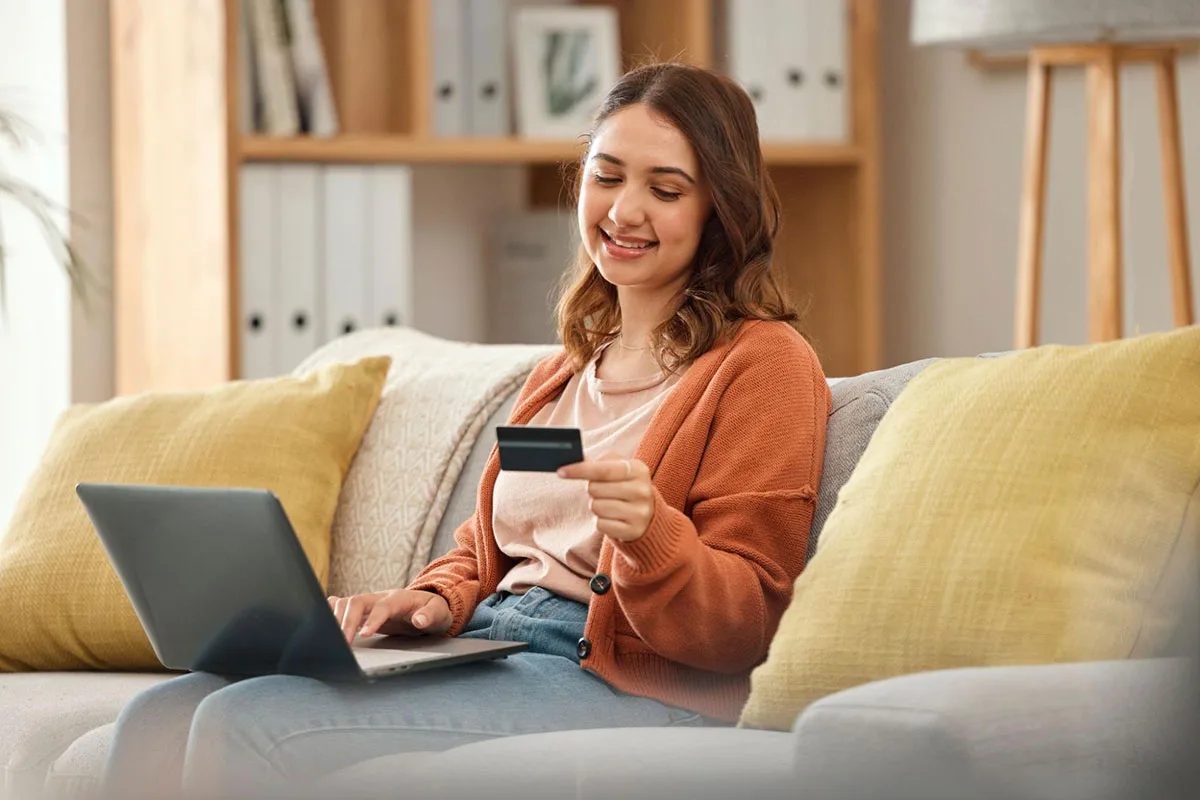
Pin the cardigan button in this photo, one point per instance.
(600, 583)
(583, 648)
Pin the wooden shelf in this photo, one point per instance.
(383, 149)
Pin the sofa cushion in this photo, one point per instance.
(635, 763)
(859, 403)
(62, 605)
(1009, 510)
(43, 713)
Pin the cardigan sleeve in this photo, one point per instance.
(707, 588)
(455, 576)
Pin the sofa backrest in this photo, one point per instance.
(859, 403)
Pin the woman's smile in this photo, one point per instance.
(625, 247)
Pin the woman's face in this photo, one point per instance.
(643, 202)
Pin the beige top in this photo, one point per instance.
(543, 520)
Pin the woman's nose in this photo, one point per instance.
(626, 210)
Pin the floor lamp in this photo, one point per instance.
(1101, 36)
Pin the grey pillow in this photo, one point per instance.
(859, 403)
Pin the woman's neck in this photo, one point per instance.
(622, 364)
(640, 315)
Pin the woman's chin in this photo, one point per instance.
(625, 270)
(618, 274)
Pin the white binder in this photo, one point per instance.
(794, 75)
(449, 67)
(391, 253)
(344, 249)
(258, 279)
(488, 87)
(299, 254)
(828, 44)
(751, 34)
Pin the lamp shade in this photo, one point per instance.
(1016, 23)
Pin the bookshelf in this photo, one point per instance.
(178, 149)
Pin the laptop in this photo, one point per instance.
(221, 584)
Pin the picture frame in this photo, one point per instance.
(566, 60)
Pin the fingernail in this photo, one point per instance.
(419, 621)
(562, 473)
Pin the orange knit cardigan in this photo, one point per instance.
(735, 456)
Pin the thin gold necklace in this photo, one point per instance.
(621, 344)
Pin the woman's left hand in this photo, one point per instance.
(622, 496)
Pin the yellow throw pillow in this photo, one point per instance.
(1018, 510)
(62, 606)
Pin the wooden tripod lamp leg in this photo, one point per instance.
(1104, 204)
(1173, 191)
(1033, 201)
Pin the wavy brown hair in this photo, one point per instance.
(731, 277)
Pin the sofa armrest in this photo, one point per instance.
(1079, 730)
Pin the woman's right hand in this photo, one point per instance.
(400, 612)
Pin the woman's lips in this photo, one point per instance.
(621, 251)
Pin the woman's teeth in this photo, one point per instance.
(630, 245)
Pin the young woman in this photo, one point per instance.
(649, 578)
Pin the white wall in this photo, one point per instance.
(49, 354)
(953, 138)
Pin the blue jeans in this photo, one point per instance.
(225, 738)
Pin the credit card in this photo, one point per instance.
(532, 448)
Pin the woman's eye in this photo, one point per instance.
(663, 194)
(605, 180)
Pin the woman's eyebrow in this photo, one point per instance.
(658, 170)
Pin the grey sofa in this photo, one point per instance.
(1108, 729)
